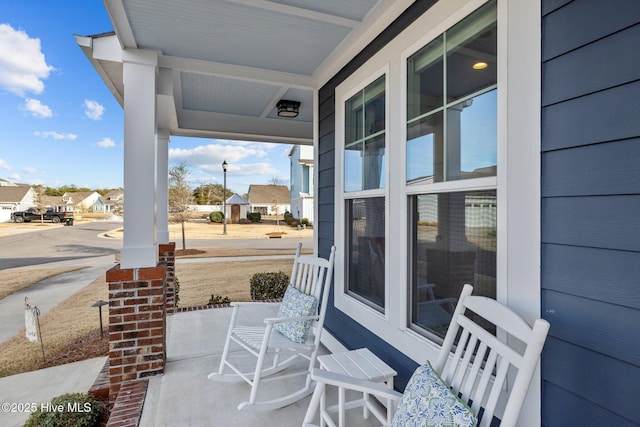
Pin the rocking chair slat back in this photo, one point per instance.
(481, 364)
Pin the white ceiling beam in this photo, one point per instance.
(300, 12)
(238, 72)
(120, 22)
(221, 125)
(274, 100)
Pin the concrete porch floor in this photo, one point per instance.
(184, 396)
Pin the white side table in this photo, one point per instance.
(361, 364)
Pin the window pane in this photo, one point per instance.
(471, 53)
(424, 79)
(453, 243)
(425, 140)
(354, 119)
(374, 154)
(364, 157)
(374, 102)
(353, 167)
(366, 250)
(472, 137)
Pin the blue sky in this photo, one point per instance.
(60, 125)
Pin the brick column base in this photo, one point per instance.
(137, 324)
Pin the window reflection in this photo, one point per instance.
(453, 243)
(451, 105)
(366, 250)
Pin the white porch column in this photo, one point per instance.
(140, 160)
(163, 186)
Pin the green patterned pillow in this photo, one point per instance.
(296, 304)
(429, 402)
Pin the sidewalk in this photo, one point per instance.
(49, 292)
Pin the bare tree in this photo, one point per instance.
(180, 197)
(39, 200)
(275, 180)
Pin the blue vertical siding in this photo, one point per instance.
(591, 212)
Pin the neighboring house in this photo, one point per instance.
(83, 201)
(269, 199)
(5, 183)
(15, 197)
(495, 143)
(55, 202)
(301, 181)
(113, 201)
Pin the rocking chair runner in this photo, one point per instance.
(294, 333)
(474, 374)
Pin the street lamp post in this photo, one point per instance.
(224, 197)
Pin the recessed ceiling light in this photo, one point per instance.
(480, 65)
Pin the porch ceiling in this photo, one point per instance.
(224, 64)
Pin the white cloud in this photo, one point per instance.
(30, 170)
(106, 143)
(4, 165)
(93, 109)
(15, 177)
(56, 135)
(22, 63)
(36, 108)
(211, 156)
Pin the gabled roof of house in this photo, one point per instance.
(13, 194)
(236, 200)
(52, 201)
(269, 194)
(78, 196)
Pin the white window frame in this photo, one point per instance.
(343, 196)
(517, 180)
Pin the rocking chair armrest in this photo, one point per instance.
(273, 320)
(379, 390)
(251, 303)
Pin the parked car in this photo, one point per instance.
(48, 215)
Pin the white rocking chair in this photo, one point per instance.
(311, 276)
(476, 372)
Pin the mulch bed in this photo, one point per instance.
(86, 347)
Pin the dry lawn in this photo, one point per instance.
(69, 322)
(15, 279)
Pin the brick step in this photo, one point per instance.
(100, 387)
(127, 408)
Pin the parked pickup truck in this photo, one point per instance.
(49, 215)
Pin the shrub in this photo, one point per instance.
(254, 216)
(288, 217)
(71, 409)
(269, 285)
(216, 216)
(304, 221)
(294, 223)
(218, 300)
